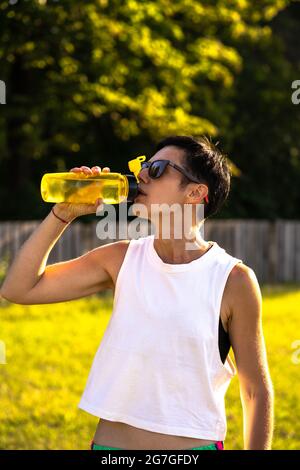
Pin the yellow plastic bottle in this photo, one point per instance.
(79, 188)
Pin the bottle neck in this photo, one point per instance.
(132, 187)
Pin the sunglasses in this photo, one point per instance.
(157, 168)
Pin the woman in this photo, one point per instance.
(159, 377)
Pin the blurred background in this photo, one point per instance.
(100, 82)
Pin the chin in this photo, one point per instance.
(140, 209)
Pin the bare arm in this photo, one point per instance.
(246, 334)
(30, 281)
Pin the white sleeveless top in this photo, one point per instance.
(158, 366)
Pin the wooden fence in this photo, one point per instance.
(271, 249)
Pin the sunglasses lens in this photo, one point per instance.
(157, 169)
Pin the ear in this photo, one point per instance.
(197, 193)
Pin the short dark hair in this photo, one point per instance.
(207, 163)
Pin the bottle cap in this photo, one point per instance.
(135, 165)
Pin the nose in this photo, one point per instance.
(143, 175)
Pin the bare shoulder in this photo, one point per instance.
(112, 256)
(118, 246)
(242, 278)
(242, 291)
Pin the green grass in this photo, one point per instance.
(49, 351)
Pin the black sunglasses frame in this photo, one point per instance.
(163, 165)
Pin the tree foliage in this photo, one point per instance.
(97, 82)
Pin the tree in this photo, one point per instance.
(101, 81)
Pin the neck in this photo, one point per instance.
(180, 250)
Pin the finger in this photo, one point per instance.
(86, 170)
(106, 168)
(96, 169)
(76, 169)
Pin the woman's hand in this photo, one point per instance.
(69, 211)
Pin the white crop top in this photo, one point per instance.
(158, 366)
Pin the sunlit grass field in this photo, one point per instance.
(50, 348)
